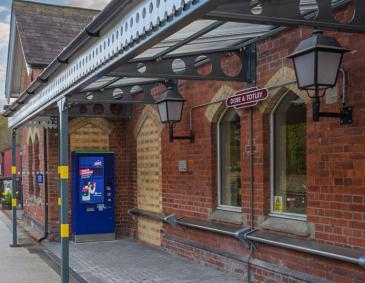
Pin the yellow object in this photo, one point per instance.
(13, 170)
(65, 230)
(63, 172)
(59, 201)
(278, 204)
(13, 202)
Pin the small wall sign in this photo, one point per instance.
(183, 166)
(278, 203)
(39, 178)
(247, 97)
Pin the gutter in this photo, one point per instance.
(92, 30)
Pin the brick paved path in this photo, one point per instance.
(128, 261)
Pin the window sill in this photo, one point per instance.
(228, 216)
(289, 226)
(290, 216)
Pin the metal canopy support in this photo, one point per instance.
(64, 172)
(186, 67)
(14, 187)
(251, 64)
(113, 48)
(289, 13)
(117, 95)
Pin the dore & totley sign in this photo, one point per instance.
(247, 97)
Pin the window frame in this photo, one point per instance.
(219, 167)
(288, 215)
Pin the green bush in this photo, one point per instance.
(7, 197)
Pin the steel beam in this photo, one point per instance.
(184, 67)
(117, 95)
(64, 172)
(288, 13)
(14, 186)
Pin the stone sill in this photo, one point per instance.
(231, 217)
(288, 226)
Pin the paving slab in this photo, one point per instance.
(130, 261)
(19, 265)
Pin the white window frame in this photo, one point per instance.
(219, 169)
(289, 215)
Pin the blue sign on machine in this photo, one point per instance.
(39, 178)
(93, 196)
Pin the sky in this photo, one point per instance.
(5, 11)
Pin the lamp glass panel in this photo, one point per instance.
(162, 110)
(328, 65)
(175, 109)
(304, 65)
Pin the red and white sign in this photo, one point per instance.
(84, 172)
(247, 97)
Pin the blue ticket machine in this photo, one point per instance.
(93, 196)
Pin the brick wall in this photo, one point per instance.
(85, 134)
(34, 203)
(335, 176)
(335, 162)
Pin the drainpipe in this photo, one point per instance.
(250, 169)
(250, 118)
(45, 152)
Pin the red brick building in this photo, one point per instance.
(301, 182)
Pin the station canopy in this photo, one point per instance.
(198, 38)
(134, 54)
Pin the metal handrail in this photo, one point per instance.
(248, 236)
(169, 219)
(306, 246)
(238, 233)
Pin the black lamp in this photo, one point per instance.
(170, 107)
(317, 61)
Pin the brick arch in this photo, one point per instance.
(149, 173)
(89, 134)
(31, 135)
(214, 111)
(148, 112)
(101, 123)
(285, 74)
(36, 139)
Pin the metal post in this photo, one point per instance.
(63, 171)
(13, 173)
(58, 171)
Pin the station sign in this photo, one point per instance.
(247, 97)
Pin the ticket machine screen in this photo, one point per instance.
(91, 179)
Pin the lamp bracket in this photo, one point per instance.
(345, 114)
(191, 137)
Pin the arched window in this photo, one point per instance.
(30, 167)
(229, 160)
(36, 164)
(288, 156)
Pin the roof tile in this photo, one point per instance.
(46, 29)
